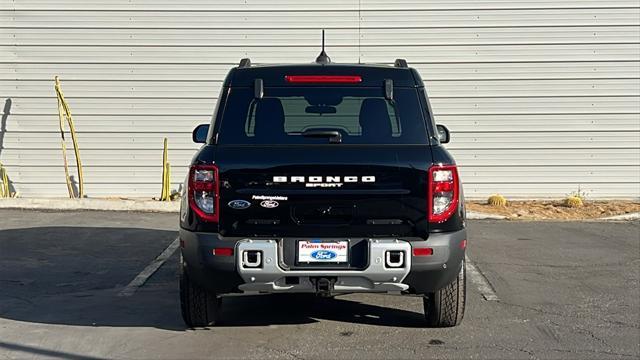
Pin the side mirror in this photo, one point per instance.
(443, 134)
(200, 134)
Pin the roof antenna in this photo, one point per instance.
(323, 58)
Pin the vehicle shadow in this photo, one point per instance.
(264, 310)
(73, 275)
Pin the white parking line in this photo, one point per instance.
(480, 281)
(145, 274)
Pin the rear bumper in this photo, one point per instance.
(229, 274)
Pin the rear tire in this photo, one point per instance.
(199, 307)
(445, 307)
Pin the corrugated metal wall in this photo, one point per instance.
(542, 96)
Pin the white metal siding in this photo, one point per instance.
(542, 96)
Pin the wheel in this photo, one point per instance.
(199, 307)
(445, 307)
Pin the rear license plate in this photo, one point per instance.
(329, 251)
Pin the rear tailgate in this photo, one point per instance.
(323, 191)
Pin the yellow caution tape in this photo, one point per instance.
(64, 113)
(166, 174)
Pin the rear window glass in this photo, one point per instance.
(295, 115)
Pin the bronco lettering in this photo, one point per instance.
(324, 179)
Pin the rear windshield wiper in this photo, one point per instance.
(335, 137)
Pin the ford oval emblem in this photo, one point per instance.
(323, 255)
(269, 204)
(239, 204)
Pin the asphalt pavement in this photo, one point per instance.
(564, 290)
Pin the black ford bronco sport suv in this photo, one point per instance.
(323, 178)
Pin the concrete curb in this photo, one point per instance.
(63, 204)
(91, 204)
(472, 215)
(623, 217)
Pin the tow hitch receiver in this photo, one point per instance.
(324, 286)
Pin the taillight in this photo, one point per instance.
(324, 79)
(204, 192)
(444, 192)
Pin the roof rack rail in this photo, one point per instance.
(245, 63)
(401, 63)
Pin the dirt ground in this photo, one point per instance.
(555, 210)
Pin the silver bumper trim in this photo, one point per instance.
(377, 277)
